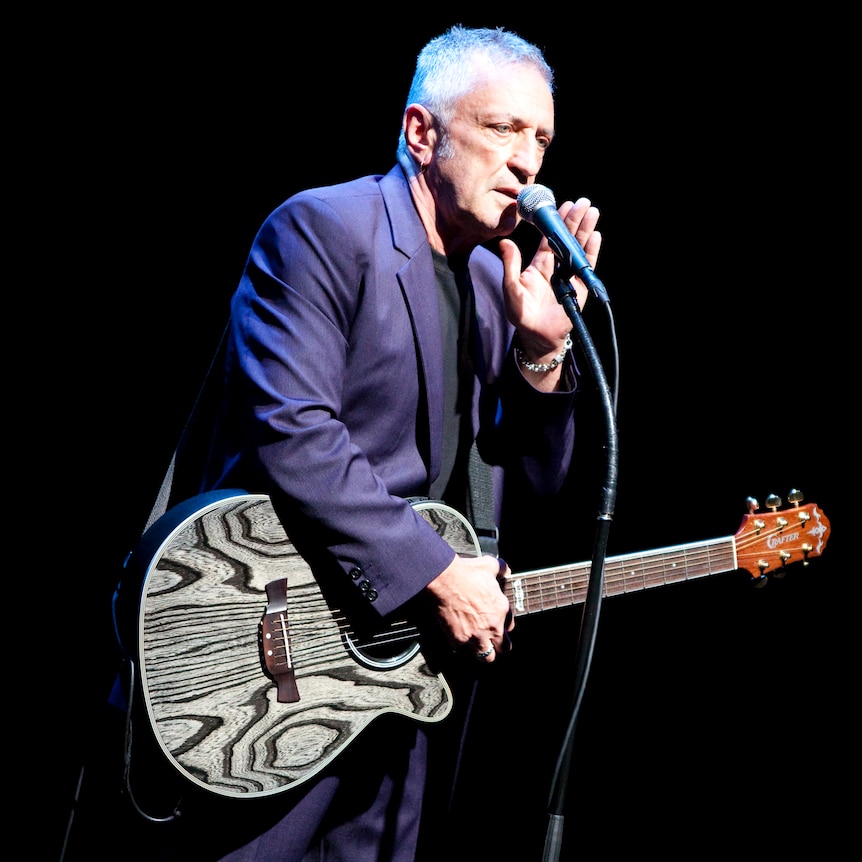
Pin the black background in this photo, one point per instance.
(717, 715)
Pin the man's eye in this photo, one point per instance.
(543, 143)
(503, 128)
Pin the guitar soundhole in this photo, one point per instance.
(384, 650)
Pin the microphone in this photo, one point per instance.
(536, 204)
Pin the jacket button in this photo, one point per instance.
(355, 573)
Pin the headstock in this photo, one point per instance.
(768, 541)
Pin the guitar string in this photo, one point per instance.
(653, 571)
(310, 641)
(545, 588)
(537, 590)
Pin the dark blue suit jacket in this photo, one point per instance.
(337, 413)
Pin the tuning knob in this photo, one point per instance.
(773, 501)
(752, 504)
(795, 496)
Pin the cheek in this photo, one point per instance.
(456, 180)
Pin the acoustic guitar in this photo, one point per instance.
(253, 681)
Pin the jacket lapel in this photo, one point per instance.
(419, 288)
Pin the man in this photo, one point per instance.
(374, 337)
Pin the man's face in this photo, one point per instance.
(497, 141)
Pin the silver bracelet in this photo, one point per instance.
(542, 367)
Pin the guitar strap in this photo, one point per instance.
(480, 502)
(163, 498)
(161, 504)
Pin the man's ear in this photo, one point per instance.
(419, 132)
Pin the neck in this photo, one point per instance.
(425, 205)
(429, 213)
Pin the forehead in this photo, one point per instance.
(512, 92)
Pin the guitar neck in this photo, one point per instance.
(559, 587)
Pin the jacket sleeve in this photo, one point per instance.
(300, 378)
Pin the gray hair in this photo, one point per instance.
(454, 64)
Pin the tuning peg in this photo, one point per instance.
(781, 571)
(773, 501)
(752, 504)
(795, 496)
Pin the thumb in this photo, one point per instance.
(510, 254)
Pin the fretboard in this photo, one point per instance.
(559, 587)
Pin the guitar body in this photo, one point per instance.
(212, 641)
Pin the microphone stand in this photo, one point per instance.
(565, 294)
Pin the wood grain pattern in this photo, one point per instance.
(212, 706)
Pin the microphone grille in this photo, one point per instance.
(530, 198)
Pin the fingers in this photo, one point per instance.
(487, 655)
(579, 215)
(581, 218)
(492, 651)
(502, 644)
(472, 606)
(510, 254)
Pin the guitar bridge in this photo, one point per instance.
(275, 642)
